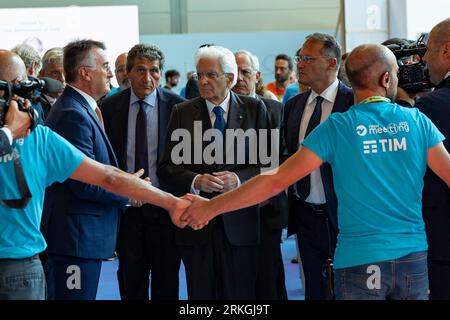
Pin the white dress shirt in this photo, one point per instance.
(91, 101)
(225, 105)
(317, 194)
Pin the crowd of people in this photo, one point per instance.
(159, 178)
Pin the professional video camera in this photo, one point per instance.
(28, 89)
(413, 74)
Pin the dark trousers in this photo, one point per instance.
(313, 243)
(270, 281)
(146, 246)
(439, 278)
(219, 270)
(72, 278)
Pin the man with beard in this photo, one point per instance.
(283, 69)
(172, 78)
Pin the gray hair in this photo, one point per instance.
(28, 55)
(330, 48)
(253, 59)
(225, 57)
(146, 51)
(53, 55)
(76, 53)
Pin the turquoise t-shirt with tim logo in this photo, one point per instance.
(378, 153)
(46, 158)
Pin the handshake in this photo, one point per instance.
(192, 210)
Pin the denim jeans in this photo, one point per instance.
(22, 279)
(405, 278)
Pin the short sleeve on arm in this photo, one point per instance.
(320, 141)
(62, 158)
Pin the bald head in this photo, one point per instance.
(12, 68)
(367, 63)
(441, 32)
(437, 56)
(121, 70)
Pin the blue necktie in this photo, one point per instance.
(141, 144)
(304, 185)
(219, 124)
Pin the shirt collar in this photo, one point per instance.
(225, 105)
(91, 101)
(329, 94)
(447, 75)
(149, 100)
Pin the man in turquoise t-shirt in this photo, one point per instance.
(46, 158)
(378, 152)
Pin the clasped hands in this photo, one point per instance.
(194, 211)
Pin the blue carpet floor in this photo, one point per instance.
(109, 290)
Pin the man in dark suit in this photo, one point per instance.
(80, 221)
(146, 236)
(436, 194)
(270, 282)
(221, 260)
(313, 204)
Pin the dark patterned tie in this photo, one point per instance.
(141, 147)
(219, 123)
(304, 185)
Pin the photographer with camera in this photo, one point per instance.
(43, 158)
(16, 126)
(436, 194)
(16, 123)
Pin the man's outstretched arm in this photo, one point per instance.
(130, 186)
(253, 191)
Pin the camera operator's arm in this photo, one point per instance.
(18, 122)
(16, 126)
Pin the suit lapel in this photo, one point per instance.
(201, 113)
(121, 125)
(75, 95)
(235, 113)
(297, 118)
(163, 119)
(341, 102)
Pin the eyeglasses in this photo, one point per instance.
(211, 75)
(105, 66)
(307, 59)
(247, 73)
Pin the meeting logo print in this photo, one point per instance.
(391, 144)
